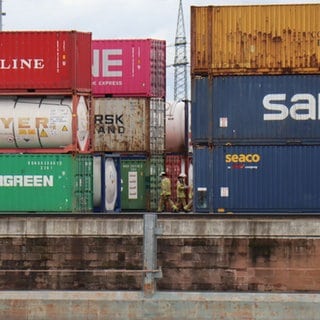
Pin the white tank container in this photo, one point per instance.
(105, 187)
(175, 127)
(83, 132)
(39, 122)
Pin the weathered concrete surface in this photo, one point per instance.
(196, 253)
(93, 305)
(171, 226)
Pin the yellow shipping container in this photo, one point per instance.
(257, 39)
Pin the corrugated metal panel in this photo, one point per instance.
(45, 61)
(202, 181)
(157, 165)
(129, 67)
(255, 39)
(256, 109)
(129, 125)
(47, 182)
(83, 183)
(157, 126)
(259, 179)
(201, 110)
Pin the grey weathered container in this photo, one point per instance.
(134, 125)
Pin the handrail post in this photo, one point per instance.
(150, 254)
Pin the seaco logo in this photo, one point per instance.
(303, 106)
(242, 157)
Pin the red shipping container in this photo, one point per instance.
(129, 68)
(45, 61)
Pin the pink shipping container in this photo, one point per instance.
(129, 68)
(45, 61)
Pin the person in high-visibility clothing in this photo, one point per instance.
(189, 206)
(165, 195)
(181, 192)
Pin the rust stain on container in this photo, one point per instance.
(259, 39)
(128, 124)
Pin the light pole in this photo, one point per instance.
(1, 14)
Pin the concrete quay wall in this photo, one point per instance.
(213, 267)
(195, 253)
(91, 305)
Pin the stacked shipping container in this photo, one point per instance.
(45, 105)
(128, 85)
(255, 107)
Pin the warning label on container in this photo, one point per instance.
(132, 185)
(43, 134)
(224, 192)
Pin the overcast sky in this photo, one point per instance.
(111, 19)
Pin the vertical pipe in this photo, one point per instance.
(149, 253)
(186, 126)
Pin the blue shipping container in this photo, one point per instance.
(257, 179)
(246, 110)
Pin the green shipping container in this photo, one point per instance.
(133, 177)
(157, 165)
(46, 183)
(140, 188)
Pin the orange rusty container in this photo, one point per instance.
(255, 39)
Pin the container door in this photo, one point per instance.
(133, 178)
(203, 189)
(83, 187)
(154, 180)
